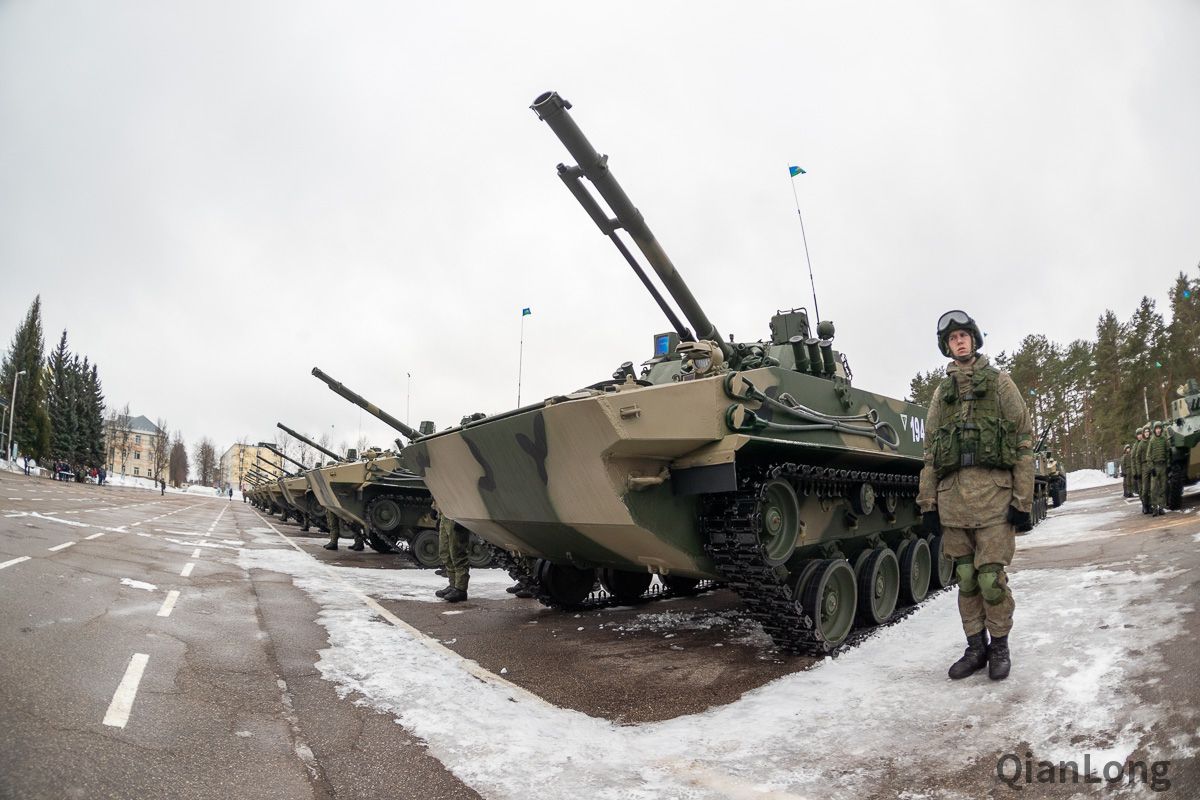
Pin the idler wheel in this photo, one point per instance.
(830, 599)
(915, 567)
(566, 585)
(943, 573)
(425, 548)
(384, 514)
(479, 555)
(878, 587)
(623, 584)
(780, 514)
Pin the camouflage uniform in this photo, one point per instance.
(1145, 468)
(1135, 461)
(1126, 466)
(973, 502)
(335, 532)
(453, 541)
(1158, 454)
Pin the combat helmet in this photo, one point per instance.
(957, 321)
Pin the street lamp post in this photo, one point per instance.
(12, 405)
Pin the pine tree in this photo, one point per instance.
(93, 416)
(30, 423)
(60, 401)
(1182, 348)
(922, 387)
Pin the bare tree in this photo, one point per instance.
(204, 456)
(362, 443)
(302, 450)
(118, 435)
(160, 451)
(177, 463)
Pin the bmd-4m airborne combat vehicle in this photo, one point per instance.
(754, 464)
(1184, 431)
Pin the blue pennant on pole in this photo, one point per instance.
(794, 171)
(525, 312)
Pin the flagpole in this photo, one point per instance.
(521, 358)
(804, 236)
(408, 401)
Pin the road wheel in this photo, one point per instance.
(780, 513)
(830, 599)
(567, 585)
(425, 548)
(943, 573)
(383, 513)
(915, 568)
(479, 554)
(623, 584)
(878, 587)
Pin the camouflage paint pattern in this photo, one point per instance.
(345, 489)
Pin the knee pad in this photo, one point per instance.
(993, 583)
(968, 585)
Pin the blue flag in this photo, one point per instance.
(525, 312)
(794, 171)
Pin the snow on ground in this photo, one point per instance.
(420, 584)
(882, 711)
(1069, 528)
(130, 582)
(1087, 478)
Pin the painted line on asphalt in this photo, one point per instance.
(14, 561)
(169, 603)
(62, 546)
(122, 702)
(95, 535)
(196, 553)
(187, 570)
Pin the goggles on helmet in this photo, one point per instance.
(951, 318)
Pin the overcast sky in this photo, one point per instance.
(214, 197)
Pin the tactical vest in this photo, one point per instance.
(976, 433)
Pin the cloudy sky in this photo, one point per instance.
(214, 197)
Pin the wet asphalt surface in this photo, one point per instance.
(231, 705)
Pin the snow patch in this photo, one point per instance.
(1071, 528)
(130, 582)
(1082, 638)
(1089, 478)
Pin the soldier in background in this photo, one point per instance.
(1145, 469)
(1158, 456)
(335, 532)
(1126, 466)
(976, 488)
(1135, 459)
(452, 547)
(523, 588)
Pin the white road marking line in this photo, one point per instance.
(196, 553)
(187, 570)
(62, 546)
(122, 702)
(14, 561)
(95, 535)
(169, 603)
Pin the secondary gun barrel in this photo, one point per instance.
(361, 402)
(309, 442)
(274, 466)
(279, 453)
(552, 109)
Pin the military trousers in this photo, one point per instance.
(335, 529)
(453, 541)
(1158, 484)
(994, 544)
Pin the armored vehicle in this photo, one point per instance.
(755, 464)
(1184, 430)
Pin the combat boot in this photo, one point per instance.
(358, 543)
(440, 571)
(998, 660)
(974, 658)
(331, 546)
(445, 590)
(455, 595)
(525, 592)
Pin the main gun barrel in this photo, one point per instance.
(282, 455)
(309, 442)
(552, 109)
(361, 402)
(274, 466)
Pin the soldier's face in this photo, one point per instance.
(960, 343)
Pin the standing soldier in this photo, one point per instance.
(335, 533)
(977, 487)
(1159, 454)
(452, 547)
(1145, 467)
(1126, 465)
(1135, 458)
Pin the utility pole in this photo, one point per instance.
(8, 454)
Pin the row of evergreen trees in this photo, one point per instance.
(1090, 395)
(59, 404)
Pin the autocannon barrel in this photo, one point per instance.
(552, 109)
(361, 402)
(308, 442)
(274, 466)
(283, 455)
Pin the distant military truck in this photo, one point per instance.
(1184, 431)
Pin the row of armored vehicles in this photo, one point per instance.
(755, 465)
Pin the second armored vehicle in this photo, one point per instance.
(1184, 430)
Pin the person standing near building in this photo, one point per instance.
(452, 547)
(976, 488)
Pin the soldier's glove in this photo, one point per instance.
(1021, 520)
(931, 522)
